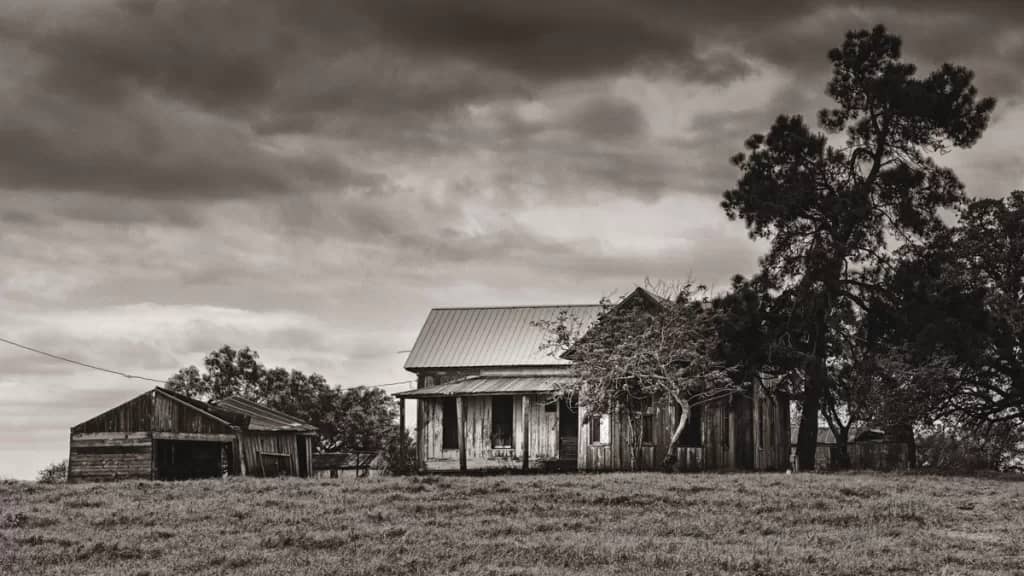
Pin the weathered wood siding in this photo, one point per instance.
(615, 455)
(172, 415)
(102, 456)
(771, 434)
(260, 452)
(731, 434)
(543, 434)
(134, 415)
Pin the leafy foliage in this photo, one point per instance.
(645, 350)
(55, 473)
(832, 213)
(354, 419)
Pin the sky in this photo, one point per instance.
(310, 178)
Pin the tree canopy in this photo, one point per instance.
(834, 203)
(354, 419)
(645, 349)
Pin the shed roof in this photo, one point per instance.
(262, 418)
(493, 386)
(477, 337)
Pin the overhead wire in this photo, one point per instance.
(146, 378)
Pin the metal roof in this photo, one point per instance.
(492, 386)
(262, 418)
(475, 337)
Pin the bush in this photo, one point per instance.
(55, 473)
(960, 448)
(393, 463)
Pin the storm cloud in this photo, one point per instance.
(309, 178)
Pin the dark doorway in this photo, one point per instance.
(301, 443)
(568, 432)
(187, 460)
(501, 422)
(449, 424)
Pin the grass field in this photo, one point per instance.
(558, 524)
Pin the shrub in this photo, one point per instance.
(54, 473)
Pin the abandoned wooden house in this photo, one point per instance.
(484, 395)
(162, 435)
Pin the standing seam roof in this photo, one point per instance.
(475, 337)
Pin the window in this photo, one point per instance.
(449, 424)
(599, 424)
(501, 422)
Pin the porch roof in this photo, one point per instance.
(491, 385)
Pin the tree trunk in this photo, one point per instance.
(807, 437)
(841, 458)
(634, 440)
(670, 457)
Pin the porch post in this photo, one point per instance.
(420, 448)
(401, 435)
(461, 408)
(526, 432)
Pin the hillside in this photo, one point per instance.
(559, 524)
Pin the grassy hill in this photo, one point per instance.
(559, 524)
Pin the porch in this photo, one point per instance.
(494, 421)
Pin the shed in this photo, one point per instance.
(162, 435)
(272, 443)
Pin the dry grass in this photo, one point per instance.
(560, 524)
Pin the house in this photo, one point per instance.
(162, 435)
(485, 389)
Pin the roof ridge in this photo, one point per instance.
(516, 306)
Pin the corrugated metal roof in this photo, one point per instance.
(465, 337)
(492, 386)
(262, 418)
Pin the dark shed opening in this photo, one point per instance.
(186, 460)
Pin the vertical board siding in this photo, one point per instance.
(728, 438)
(170, 415)
(134, 415)
(254, 443)
(543, 436)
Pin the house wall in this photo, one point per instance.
(543, 434)
(728, 438)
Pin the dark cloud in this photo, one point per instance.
(147, 98)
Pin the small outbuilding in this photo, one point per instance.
(162, 435)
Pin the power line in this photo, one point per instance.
(137, 377)
(73, 361)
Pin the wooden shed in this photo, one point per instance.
(272, 443)
(162, 435)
